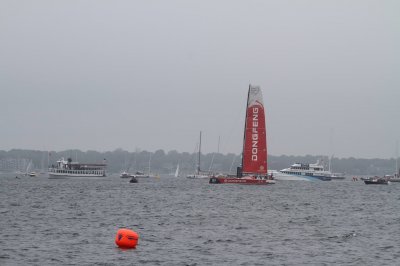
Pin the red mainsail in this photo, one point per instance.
(254, 159)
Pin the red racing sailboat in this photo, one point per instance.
(254, 170)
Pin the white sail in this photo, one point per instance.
(177, 171)
(29, 167)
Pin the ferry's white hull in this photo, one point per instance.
(63, 175)
(287, 177)
(277, 175)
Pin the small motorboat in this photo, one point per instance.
(125, 174)
(133, 180)
(376, 181)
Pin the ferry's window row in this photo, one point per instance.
(79, 172)
(292, 173)
(301, 168)
(306, 168)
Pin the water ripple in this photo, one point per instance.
(186, 222)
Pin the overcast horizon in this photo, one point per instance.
(103, 75)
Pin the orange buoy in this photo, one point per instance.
(126, 238)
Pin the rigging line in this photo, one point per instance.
(239, 116)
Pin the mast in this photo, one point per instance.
(212, 158)
(397, 156)
(331, 150)
(149, 164)
(233, 161)
(198, 160)
(245, 124)
(329, 164)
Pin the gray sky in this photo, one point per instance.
(102, 75)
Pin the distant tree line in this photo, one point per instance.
(165, 163)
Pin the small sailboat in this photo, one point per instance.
(198, 174)
(125, 174)
(29, 171)
(177, 171)
(254, 169)
(150, 174)
(396, 176)
(142, 174)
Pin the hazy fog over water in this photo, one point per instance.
(102, 75)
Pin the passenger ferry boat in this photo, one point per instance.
(68, 168)
(306, 172)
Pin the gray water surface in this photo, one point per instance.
(190, 222)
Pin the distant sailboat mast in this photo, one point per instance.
(233, 162)
(198, 165)
(245, 126)
(150, 164)
(397, 157)
(197, 169)
(212, 158)
(331, 149)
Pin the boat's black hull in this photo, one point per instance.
(376, 182)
